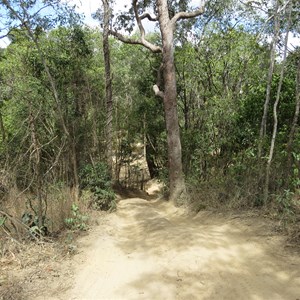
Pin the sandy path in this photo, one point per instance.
(149, 250)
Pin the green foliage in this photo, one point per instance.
(96, 179)
(77, 221)
(214, 86)
(287, 209)
(32, 221)
(26, 91)
(221, 89)
(37, 17)
(284, 203)
(221, 85)
(295, 176)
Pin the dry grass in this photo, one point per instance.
(57, 205)
(22, 263)
(24, 260)
(27, 267)
(245, 197)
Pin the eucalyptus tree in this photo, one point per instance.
(166, 14)
(108, 85)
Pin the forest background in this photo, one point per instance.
(238, 99)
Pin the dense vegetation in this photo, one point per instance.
(238, 96)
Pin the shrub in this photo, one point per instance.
(96, 179)
(77, 221)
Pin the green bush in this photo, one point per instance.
(77, 221)
(96, 179)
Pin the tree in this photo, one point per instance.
(214, 80)
(275, 107)
(263, 126)
(108, 85)
(165, 87)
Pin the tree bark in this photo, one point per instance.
(36, 155)
(176, 177)
(108, 87)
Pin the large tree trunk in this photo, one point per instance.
(169, 93)
(176, 178)
(108, 87)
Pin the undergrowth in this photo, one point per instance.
(77, 221)
(227, 193)
(95, 178)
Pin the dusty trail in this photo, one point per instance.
(150, 250)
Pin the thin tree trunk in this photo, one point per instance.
(36, 167)
(274, 134)
(176, 178)
(108, 87)
(74, 164)
(118, 147)
(2, 128)
(295, 122)
(263, 126)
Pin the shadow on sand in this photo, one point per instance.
(202, 258)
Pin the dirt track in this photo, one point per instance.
(150, 250)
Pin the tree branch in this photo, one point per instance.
(138, 19)
(5, 29)
(127, 40)
(5, 35)
(149, 17)
(188, 15)
(142, 29)
(37, 12)
(157, 91)
(142, 40)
